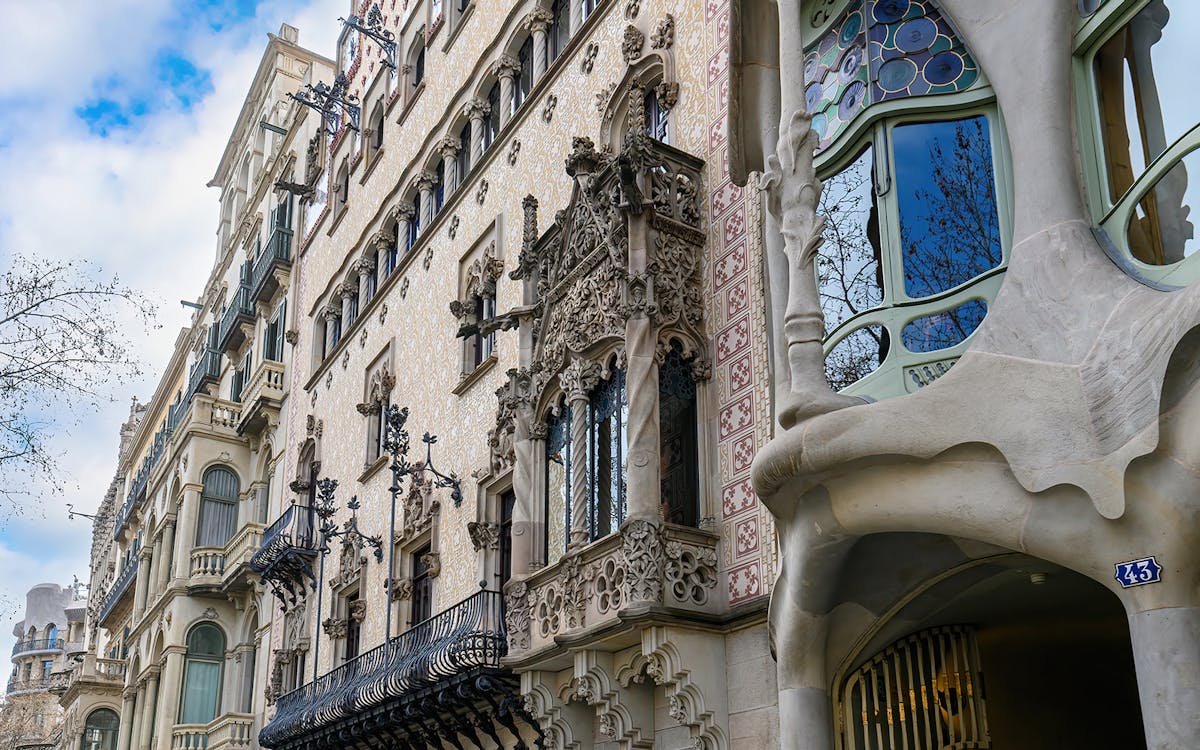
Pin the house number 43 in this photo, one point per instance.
(1139, 572)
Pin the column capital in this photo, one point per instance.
(578, 378)
(449, 146)
(424, 180)
(332, 310)
(476, 109)
(538, 20)
(505, 66)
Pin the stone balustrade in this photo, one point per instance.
(208, 562)
(226, 732)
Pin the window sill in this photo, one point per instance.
(434, 27)
(412, 101)
(471, 378)
(337, 220)
(371, 163)
(372, 468)
(457, 27)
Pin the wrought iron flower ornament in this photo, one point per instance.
(331, 102)
(349, 531)
(372, 28)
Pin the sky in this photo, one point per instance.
(115, 115)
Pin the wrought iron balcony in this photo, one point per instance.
(206, 369)
(117, 591)
(28, 686)
(41, 644)
(453, 658)
(241, 310)
(276, 255)
(288, 549)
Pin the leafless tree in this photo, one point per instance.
(28, 719)
(64, 341)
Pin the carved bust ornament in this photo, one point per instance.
(1054, 435)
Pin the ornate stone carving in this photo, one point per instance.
(514, 149)
(538, 20)
(632, 8)
(476, 109)
(604, 95)
(403, 590)
(312, 160)
(589, 58)
(579, 378)
(455, 221)
(358, 610)
(432, 562)
(291, 336)
(516, 616)
(505, 66)
(335, 627)
(424, 181)
(632, 43)
(676, 710)
(539, 430)
(209, 614)
(664, 33)
(642, 547)
(548, 108)
(667, 94)
(484, 534)
(607, 578)
(608, 725)
(481, 192)
(449, 146)
(690, 572)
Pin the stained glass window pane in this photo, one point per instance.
(946, 194)
(558, 484)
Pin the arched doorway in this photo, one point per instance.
(100, 730)
(1003, 652)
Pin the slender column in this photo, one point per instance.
(148, 718)
(346, 292)
(171, 691)
(577, 380)
(364, 269)
(135, 725)
(332, 311)
(168, 549)
(1166, 657)
(404, 217)
(152, 579)
(448, 149)
(189, 512)
(506, 69)
(141, 583)
(537, 22)
(424, 182)
(475, 110)
(128, 709)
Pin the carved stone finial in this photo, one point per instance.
(632, 43)
(583, 159)
(664, 34)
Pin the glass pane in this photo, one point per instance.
(848, 267)
(607, 451)
(558, 484)
(1160, 231)
(856, 356)
(677, 439)
(946, 191)
(945, 329)
(1145, 101)
(201, 687)
(206, 640)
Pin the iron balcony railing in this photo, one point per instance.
(118, 589)
(466, 637)
(206, 369)
(293, 529)
(33, 683)
(277, 254)
(41, 644)
(240, 310)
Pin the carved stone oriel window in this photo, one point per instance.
(475, 308)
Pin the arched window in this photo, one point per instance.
(608, 411)
(393, 251)
(462, 160)
(377, 122)
(51, 633)
(439, 188)
(558, 483)
(656, 116)
(491, 123)
(202, 674)
(218, 508)
(414, 224)
(418, 65)
(523, 83)
(341, 188)
(100, 730)
(559, 32)
(678, 451)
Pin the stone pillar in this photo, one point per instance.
(404, 218)
(155, 564)
(128, 709)
(1166, 656)
(576, 14)
(506, 69)
(135, 723)
(170, 693)
(537, 22)
(577, 380)
(168, 550)
(149, 720)
(475, 110)
(364, 267)
(189, 513)
(448, 149)
(346, 293)
(332, 311)
(141, 583)
(424, 182)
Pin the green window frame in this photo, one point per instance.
(902, 370)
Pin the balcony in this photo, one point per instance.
(681, 580)
(272, 266)
(31, 685)
(451, 659)
(226, 731)
(208, 415)
(117, 593)
(90, 675)
(285, 559)
(237, 575)
(206, 370)
(261, 396)
(42, 644)
(237, 322)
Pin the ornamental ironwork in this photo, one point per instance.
(372, 28)
(331, 102)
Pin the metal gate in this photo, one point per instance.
(924, 692)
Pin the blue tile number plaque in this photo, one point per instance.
(1138, 572)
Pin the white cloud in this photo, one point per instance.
(135, 202)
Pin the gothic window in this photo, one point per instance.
(100, 730)
(379, 383)
(393, 251)
(558, 483)
(491, 122)
(273, 336)
(218, 508)
(914, 245)
(439, 187)
(508, 501)
(202, 670)
(678, 449)
(462, 159)
(414, 224)
(559, 32)
(422, 587)
(417, 61)
(375, 141)
(608, 410)
(51, 634)
(523, 83)
(656, 116)
(353, 627)
(1145, 138)
(350, 289)
(458, 9)
(476, 306)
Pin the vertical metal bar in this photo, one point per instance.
(933, 707)
(977, 672)
(875, 704)
(955, 636)
(904, 670)
(320, 592)
(889, 702)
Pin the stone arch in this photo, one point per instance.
(648, 72)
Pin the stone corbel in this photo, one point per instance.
(484, 534)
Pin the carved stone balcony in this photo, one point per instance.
(238, 321)
(285, 558)
(119, 593)
(226, 732)
(238, 552)
(645, 569)
(208, 415)
(427, 685)
(91, 675)
(31, 685)
(262, 397)
(272, 265)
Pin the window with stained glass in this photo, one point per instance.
(607, 451)
(678, 450)
(558, 483)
